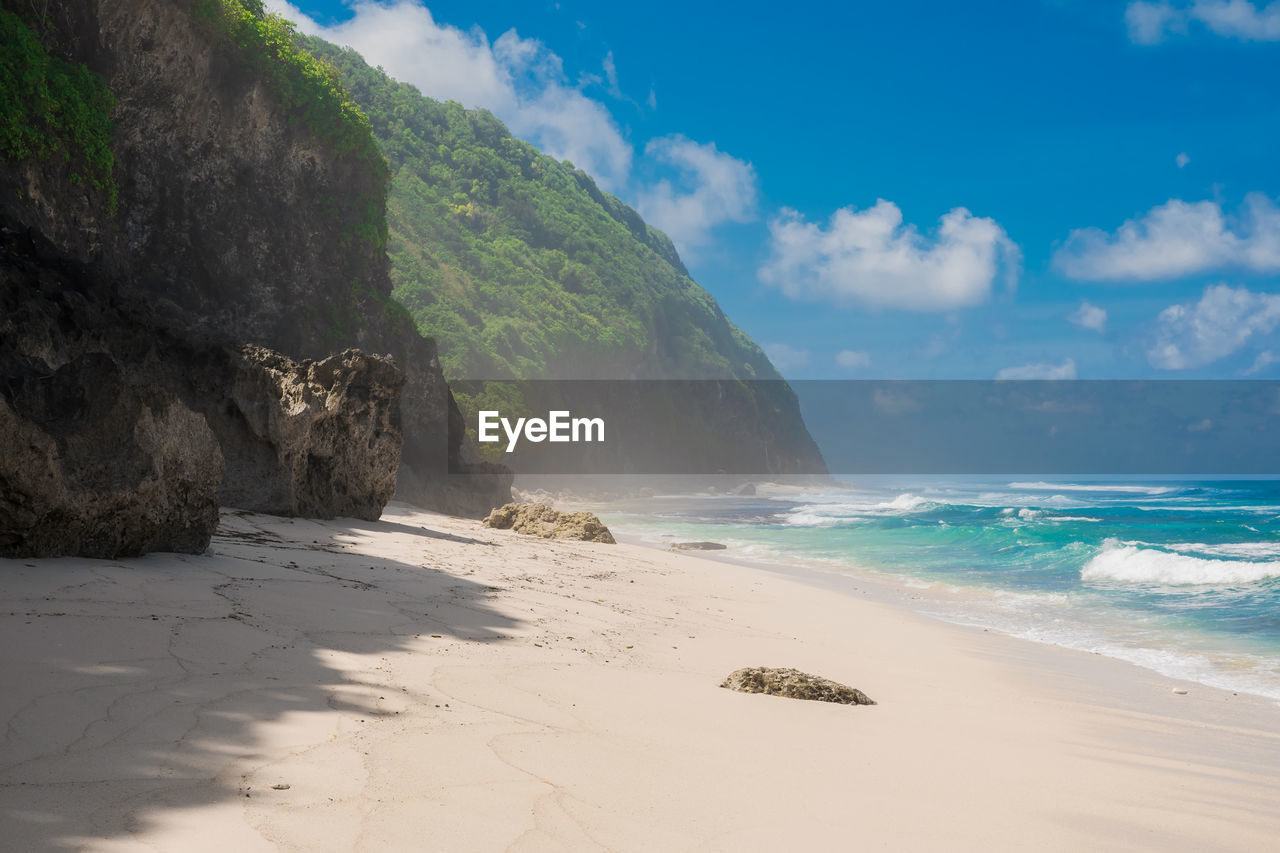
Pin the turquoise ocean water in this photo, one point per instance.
(1182, 577)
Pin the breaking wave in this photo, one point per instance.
(1129, 563)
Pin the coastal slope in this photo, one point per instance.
(426, 683)
(521, 267)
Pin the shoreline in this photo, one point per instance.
(931, 600)
(1040, 618)
(423, 682)
(1128, 679)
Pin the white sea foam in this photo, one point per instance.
(1214, 508)
(1244, 550)
(1129, 563)
(1028, 514)
(906, 502)
(812, 518)
(1006, 498)
(1040, 617)
(831, 514)
(1238, 673)
(1095, 487)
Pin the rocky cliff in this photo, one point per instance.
(242, 204)
(124, 430)
(156, 487)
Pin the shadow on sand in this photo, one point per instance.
(385, 525)
(132, 689)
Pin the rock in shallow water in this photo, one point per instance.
(542, 520)
(793, 684)
(698, 546)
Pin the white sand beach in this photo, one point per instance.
(424, 683)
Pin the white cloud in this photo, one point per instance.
(714, 188)
(1220, 324)
(1149, 22)
(518, 79)
(1152, 22)
(1040, 370)
(1089, 316)
(1239, 18)
(1182, 160)
(1175, 239)
(785, 357)
(291, 12)
(611, 75)
(869, 256)
(852, 359)
(1265, 359)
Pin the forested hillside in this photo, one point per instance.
(519, 265)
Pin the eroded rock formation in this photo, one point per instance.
(319, 439)
(549, 523)
(105, 400)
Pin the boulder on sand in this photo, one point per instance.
(542, 520)
(793, 684)
(317, 439)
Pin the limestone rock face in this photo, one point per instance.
(793, 684)
(297, 437)
(318, 439)
(237, 221)
(155, 487)
(542, 520)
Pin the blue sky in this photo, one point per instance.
(933, 190)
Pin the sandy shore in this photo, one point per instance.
(422, 683)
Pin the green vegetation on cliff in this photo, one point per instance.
(518, 264)
(310, 92)
(53, 110)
